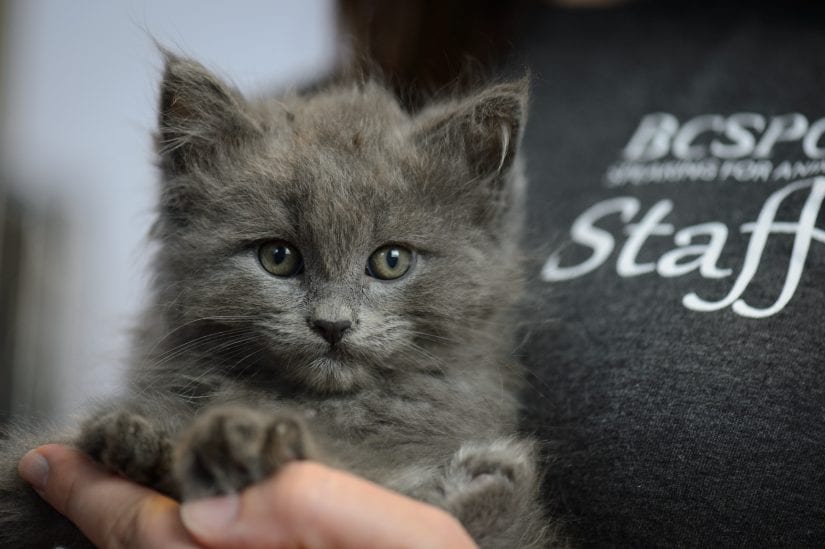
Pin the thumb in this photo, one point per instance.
(311, 506)
(109, 510)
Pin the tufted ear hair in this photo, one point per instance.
(485, 129)
(199, 116)
(470, 151)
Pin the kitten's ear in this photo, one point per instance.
(199, 115)
(485, 128)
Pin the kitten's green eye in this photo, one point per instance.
(280, 258)
(389, 262)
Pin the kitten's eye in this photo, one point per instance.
(389, 262)
(280, 258)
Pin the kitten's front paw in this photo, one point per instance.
(129, 444)
(227, 449)
(490, 487)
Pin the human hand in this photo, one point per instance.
(305, 505)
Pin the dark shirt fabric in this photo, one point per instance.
(676, 335)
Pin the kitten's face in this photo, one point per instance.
(344, 236)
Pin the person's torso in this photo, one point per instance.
(677, 170)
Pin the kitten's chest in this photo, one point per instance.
(364, 416)
(376, 433)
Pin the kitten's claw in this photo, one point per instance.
(228, 449)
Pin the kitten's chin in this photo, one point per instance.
(333, 374)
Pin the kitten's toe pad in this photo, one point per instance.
(128, 444)
(508, 460)
(228, 449)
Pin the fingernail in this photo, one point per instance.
(34, 469)
(208, 518)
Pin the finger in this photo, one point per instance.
(111, 511)
(311, 506)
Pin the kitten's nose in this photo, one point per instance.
(332, 331)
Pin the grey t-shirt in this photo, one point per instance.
(676, 155)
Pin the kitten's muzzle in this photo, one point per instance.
(332, 331)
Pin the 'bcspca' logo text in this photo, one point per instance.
(712, 147)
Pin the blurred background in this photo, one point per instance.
(78, 84)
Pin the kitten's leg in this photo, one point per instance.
(492, 488)
(229, 448)
(26, 520)
(125, 437)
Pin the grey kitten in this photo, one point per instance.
(335, 281)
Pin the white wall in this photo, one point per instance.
(80, 107)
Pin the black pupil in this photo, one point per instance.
(279, 254)
(392, 257)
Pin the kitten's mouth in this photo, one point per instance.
(334, 371)
(336, 353)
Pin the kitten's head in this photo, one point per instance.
(343, 237)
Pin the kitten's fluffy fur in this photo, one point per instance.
(419, 395)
